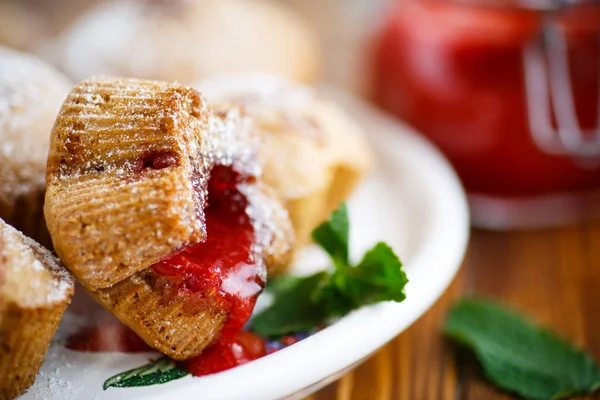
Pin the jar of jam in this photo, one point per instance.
(509, 90)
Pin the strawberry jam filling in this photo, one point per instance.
(226, 354)
(156, 160)
(224, 267)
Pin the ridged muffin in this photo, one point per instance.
(31, 94)
(185, 40)
(125, 159)
(312, 153)
(129, 204)
(35, 289)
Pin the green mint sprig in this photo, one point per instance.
(521, 357)
(154, 373)
(302, 303)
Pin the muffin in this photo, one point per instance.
(31, 94)
(35, 289)
(156, 205)
(312, 153)
(187, 40)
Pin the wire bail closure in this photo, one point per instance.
(549, 93)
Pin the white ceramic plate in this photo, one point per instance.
(413, 200)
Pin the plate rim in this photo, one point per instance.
(456, 216)
(439, 259)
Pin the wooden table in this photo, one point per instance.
(553, 275)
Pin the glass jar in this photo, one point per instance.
(510, 92)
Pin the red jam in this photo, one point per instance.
(224, 267)
(156, 160)
(455, 71)
(226, 353)
(106, 338)
(289, 340)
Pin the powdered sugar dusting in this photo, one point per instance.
(239, 281)
(304, 135)
(54, 381)
(31, 93)
(235, 142)
(32, 271)
(135, 153)
(286, 107)
(272, 227)
(187, 40)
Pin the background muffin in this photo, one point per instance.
(313, 154)
(187, 40)
(31, 94)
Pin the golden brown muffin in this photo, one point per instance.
(189, 40)
(182, 325)
(129, 173)
(126, 159)
(312, 154)
(34, 292)
(30, 96)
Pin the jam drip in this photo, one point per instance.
(224, 267)
(112, 337)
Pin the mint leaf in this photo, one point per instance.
(378, 277)
(332, 235)
(301, 303)
(519, 356)
(381, 269)
(292, 310)
(157, 372)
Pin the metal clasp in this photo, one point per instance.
(549, 93)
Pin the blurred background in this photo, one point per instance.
(509, 90)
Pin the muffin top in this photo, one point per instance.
(30, 275)
(31, 94)
(187, 40)
(304, 135)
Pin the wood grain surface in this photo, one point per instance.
(553, 275)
